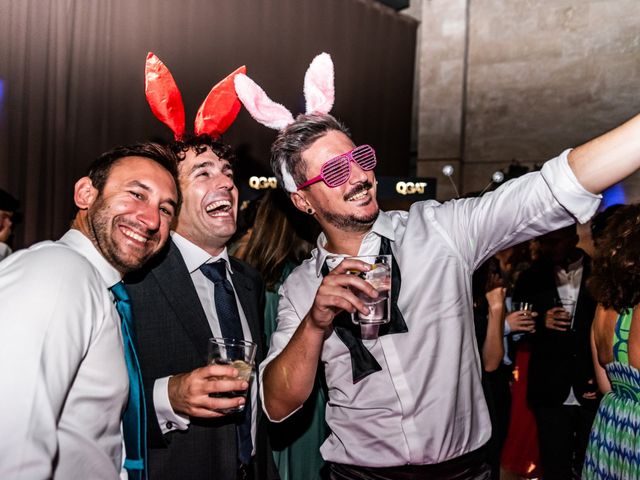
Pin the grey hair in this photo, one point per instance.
(286, 151)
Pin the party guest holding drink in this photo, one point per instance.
(408, 404)
(193, 292)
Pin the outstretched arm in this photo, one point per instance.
(609, 158)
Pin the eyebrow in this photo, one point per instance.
(225, 166)
(139, 184)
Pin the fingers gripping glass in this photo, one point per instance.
(336, 171)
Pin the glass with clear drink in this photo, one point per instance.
(379, 308)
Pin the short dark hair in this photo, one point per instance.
(8, 202)
(297, 137)
(199, 143)
(101, 167)
(615, 281)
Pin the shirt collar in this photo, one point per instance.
(79, 242)
(572, 267)
(382, 227)
(194, 256)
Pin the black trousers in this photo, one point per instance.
(497, 390)
(471, 466)
(563, 435)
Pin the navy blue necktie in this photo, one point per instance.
(231, 327)
(134, 419)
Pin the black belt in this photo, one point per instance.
(471, 465)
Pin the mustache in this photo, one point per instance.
(138, 227)
(360, 187)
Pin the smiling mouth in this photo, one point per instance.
(219, 208)
(134, 236)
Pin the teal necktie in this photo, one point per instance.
(134, 419)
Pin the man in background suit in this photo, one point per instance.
(561, 388)
(175, 313)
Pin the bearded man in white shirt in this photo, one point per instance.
(62, 362)
(408, 404)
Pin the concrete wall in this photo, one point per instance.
(504, 80)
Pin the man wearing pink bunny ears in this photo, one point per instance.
(407, 404)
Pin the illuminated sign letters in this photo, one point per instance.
(260, 183)
(410, 188)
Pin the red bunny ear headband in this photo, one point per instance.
(215, 115)
(319, 94)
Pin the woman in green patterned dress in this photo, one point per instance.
(614, 445)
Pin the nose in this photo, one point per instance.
(226, 182)
(149, 215)
(357, 174)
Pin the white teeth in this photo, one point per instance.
(135, 236)
(358, 196)
(217, 204)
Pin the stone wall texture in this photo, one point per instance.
(521, 80)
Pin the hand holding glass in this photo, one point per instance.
(525, 321)
(239, 354)
(564, 316)
(379, 308)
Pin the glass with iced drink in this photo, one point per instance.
(379, 308)
(239, 354)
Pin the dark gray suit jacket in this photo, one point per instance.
(172, 332)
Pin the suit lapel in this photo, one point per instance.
(176, 284)
(248, 299)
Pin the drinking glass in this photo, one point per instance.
(379, 308)
(240, 354)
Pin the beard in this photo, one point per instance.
(102, 226)
(351, 222)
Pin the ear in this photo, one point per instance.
(163, 95)
(319, 90)
(84, 193)
(300, 201)
(259, 105)
(220, 108)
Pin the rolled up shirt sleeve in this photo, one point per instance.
(567, 190)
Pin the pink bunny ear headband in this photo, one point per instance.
(319, 94)
(215, 115)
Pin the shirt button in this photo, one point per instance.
(169, 425)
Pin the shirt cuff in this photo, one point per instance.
(507, 328)
(167, 418)
(567, 190)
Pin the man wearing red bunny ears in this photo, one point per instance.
(191, 434)
(407, 404)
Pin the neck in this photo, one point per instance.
(212, 248)
(344, 242)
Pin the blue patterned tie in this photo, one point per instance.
(134, 419)
(230, 327)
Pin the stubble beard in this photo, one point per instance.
(99, 223)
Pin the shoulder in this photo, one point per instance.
(241, 267)
(50, 262)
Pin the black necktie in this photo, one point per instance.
(363, 363)
(134, 418)
(231, 327)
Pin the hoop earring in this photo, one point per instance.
(310, 211)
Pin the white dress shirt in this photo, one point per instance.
(568, 284)
(5, 250)
(426, 405)
(62, 368)
(194, 257)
